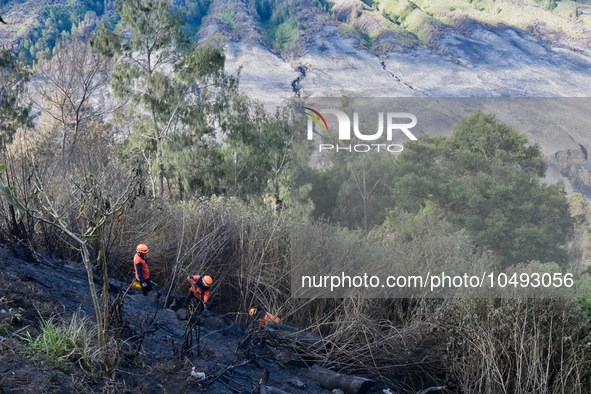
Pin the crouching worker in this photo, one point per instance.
(263, 316)
(200, 287)
(142, 273)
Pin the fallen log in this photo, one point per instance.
(332, 380)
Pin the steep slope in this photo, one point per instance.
(231, 355)
(468, 59)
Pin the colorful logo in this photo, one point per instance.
(316, 118)
(389, 123)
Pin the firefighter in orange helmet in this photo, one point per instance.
(200, 287)
(263, 316)
(142, 273)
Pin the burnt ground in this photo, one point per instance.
(232, 358)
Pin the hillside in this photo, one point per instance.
(308, 48)
(232, 352)
(166, 123)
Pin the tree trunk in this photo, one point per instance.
(332, 380)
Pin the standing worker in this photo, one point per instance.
(142, 274)
(263, 316)
(200, 287)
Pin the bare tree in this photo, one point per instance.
(96, 205)
(72, 88)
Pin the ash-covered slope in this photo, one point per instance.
(231, 355)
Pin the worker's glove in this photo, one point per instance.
(144, 284)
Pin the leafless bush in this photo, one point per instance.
(517, 345)
(245, 250)
(366, 339)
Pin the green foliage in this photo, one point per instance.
(323, 4)
(228, 16)
(171, 112)
(59, 21)
(264, 9)
(403, 13)
(63, 342)
(279, 22)
(256, 150)
(15, 315)
(5, 330)
(487, 179)
(9, 196)
(195, 11)
(365, 39)
(54, 377)
(284, 36)
(579, 207)
(13, 113)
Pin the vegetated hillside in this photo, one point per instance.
(316, 48)
(220, 209)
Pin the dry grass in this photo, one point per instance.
(518, 345)
(477, 345)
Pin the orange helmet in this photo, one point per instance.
(252, 311)
(207, 280)
(141, 248)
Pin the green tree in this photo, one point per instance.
(173, 86)
(195, 11)
(58, 22)
(278, 20)
(486, 178)
(13, 113)
(256, 149)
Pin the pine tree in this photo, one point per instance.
(174, 87)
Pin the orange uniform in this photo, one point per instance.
(141, 268)
(265, 317)
(198, 288)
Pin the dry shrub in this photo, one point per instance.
(394, 340)
(470, 345)
(244, 249)
(480, 345)
(260, 273)
(62, 175)
(517, 345)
